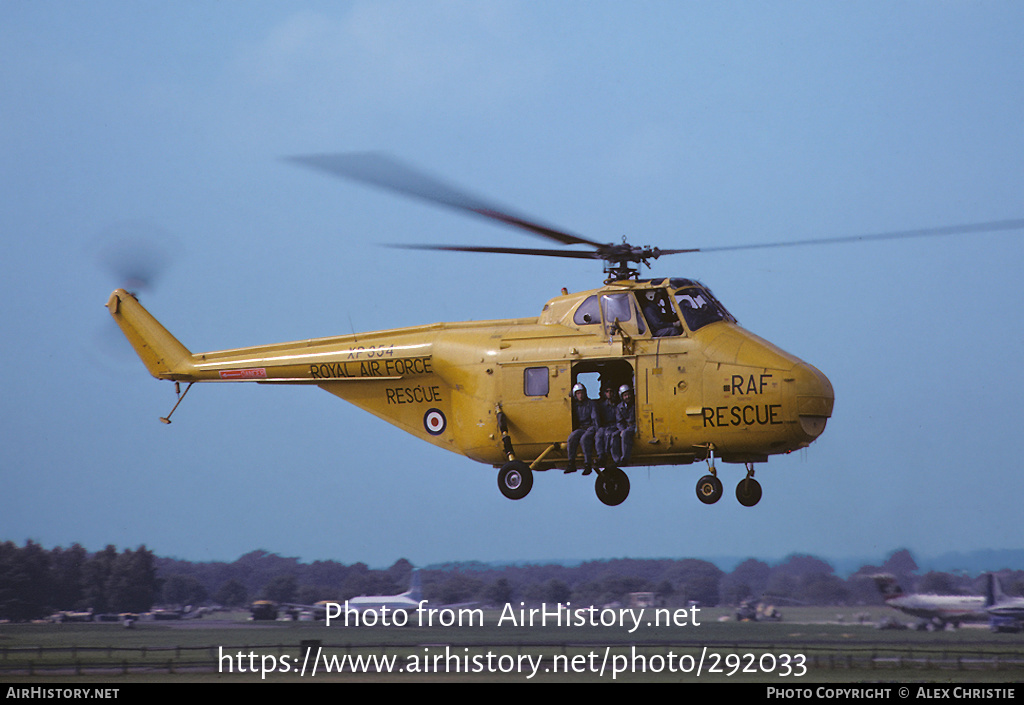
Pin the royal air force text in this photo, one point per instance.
(392, 367)
(384, 368)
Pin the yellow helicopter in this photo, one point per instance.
(501, 392)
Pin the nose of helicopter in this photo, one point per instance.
(814, 399)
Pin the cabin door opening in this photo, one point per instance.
(595, 375)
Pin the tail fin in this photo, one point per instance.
(163, 355)
(415, 591)
(993, 591)
(888, 586)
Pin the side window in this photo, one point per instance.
(535, 381)
(616, 307)
(588, 312)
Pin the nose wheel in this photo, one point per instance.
(748, 492)
(709, 489)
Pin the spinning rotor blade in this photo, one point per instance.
(134, 253)
(572, 254)
(384, 172)
(988, 227)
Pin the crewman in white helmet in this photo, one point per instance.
(621, 446)
(585, 425)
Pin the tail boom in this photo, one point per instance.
(325, 362)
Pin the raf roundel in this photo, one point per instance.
(435, 422)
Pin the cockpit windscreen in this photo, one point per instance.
(699, 308)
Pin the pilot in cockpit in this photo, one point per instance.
(660, 315)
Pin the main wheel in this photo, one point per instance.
(748, 492)
(612, 487)
(709, 489)
(515, 479)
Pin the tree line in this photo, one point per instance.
(35, 582)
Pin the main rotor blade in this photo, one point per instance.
(988, 227)
(385, 172)
(572, 254)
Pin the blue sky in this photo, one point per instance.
(677, 124)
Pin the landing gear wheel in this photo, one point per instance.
(709, 489)
(748, 492)
(515, 479)
(612, 487)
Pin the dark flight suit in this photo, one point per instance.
(607, 426)
(625, 425)
(587, 423)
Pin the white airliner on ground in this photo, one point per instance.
(408, 600)
(936, 610)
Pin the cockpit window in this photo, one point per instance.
(658, 311)
(588, 312)
(616, 307)
(700, 308)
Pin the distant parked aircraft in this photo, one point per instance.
(406, 601)
(936, 610)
